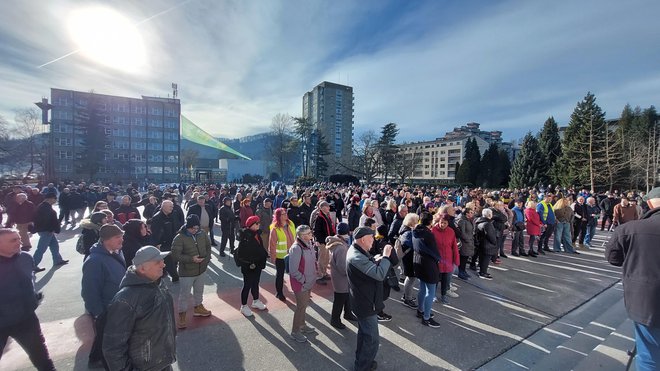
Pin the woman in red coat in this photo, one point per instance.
(533, 226)
(445, 239)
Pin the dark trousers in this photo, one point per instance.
(211, 234)
(518, 243)
(227, 235)
(606, 217)
(444, 283)
(251, 279)
(340, 303)
(64, 215)
(279, 276)
(484, 260)
(531, 243)
(170, 263)
(96, 354)
(463, 263)
(367, 342)
(580, 229)
(500, 241)
(28, 335)
(545, 237)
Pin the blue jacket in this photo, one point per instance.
(102, 274)
(17, 297)
(550, 218)
(520, 216)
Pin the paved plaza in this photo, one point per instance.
(526, 298)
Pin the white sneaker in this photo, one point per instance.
(257, 304)
(452, 287)
(245, 310)
(452, 294)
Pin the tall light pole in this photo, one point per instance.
(50, 161)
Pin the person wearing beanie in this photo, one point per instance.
(90, 230)
(102, 273)
(338, 246)
(191, 248)
(251, 257)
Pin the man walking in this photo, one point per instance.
(365, 276)
(140, 330)
(46, 225)
(634, 246)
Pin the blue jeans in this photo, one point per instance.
(591, 232)
(47, 240)
(647, 340)
(563, 235)
(367, 342)
(425, 298)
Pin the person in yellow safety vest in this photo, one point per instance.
(548, 220)
(282, 236)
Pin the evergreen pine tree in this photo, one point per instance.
(504, 168)
(469, 169)
(387, 149)
(489, 168)
(322, 150)
(527, 165)
(550, 147)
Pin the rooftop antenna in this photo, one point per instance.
(175, 90)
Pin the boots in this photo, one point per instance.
(181, 324)
(200, 311)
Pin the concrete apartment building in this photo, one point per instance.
(142, 140)
(329, 108)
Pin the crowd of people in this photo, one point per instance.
(365, 240)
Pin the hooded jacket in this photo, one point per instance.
(185, 246)
(465, 239)
(90, 234)
(133, 240)
(426, 258)
(140, 329)
(338, 247)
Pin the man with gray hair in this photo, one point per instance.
(140, 328)
(634, 246)
(164, 227)
(22, 214)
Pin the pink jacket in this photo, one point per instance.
(447, 247)
(533, 222)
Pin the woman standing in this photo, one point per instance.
(282, 236)
(405, 236)
(302, 273)
(465, 224)
(135, 237)
(533, 227)
(90, 230)
(338, 246)
(445, 239)
(564, 215)
(486, 238)
(425, 263)
(251, 257)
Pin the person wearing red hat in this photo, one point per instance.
(251, 257)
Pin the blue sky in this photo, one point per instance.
(429, 66)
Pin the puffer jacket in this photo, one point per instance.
(185, 246)
(405, 235)
(426, 258)
(486, 236)
(466, 237)
(250, 251)
(102, 273)
(338, 246)
(140, 329)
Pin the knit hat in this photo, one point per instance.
(97, 217)
(192, 220)
(342, 229)
(251, 220)
(361, 232)
(108, 231)
(148, 253)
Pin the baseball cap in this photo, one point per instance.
(653, 193)
(149, 253)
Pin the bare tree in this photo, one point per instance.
(405, 164)
(282, 146)
(28, 128)
(366, 161)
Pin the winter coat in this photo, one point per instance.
(102, 273)
(486, 236)
(244, 213)
(405, 235)
(533, 222)
(465, 239)
(445, 240)
(185, 246)
(353, 217)
(197, 210)
(18, 300)
(634, 246)
(22, 213)
(323, 227)
(365, 279)
(250, 251)
(90, 234)
(133, 240)
(126, 212)
(607, 205)
(302, 280)
(140, 328)
(426, 258)
(163, 229)
(338, 247)
(564, 215)
(226, 217)
(394, 228)
(45, 219)
(265, 217)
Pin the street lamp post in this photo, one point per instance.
(45, 107)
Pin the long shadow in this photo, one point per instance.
(84, 329)
(193, 355)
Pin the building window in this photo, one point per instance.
(155, 146)
(156, 123)
(138, 145)
(65, 142)
(137, 121)
(138, 133)
(172, 135)
(171, 124)
(155, 111)
(155, 169)
(155, 134)
(139, 169)
(171, 147)
(65, 155)
(170, 112)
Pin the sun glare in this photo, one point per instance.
(107, 37)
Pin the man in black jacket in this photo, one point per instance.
(46, 225)
(206, 215)
(140, 329)
(634, 246)
(607, 206)
(226, 216)
(365, 279)
(164, 226)
(393, 233)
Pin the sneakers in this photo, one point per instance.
(452, 294)
(473, 267)
(430, 323)
(307, 329)
(485, 276)
(337, 324)
(452, 287)
(38, 269)
(421, 314)
(299, 337)
(281, 297)
(523, 254)
(258, 304)
(181, 324)
(245, 310)
(444, 299)
(410, 303)
(463, 275)
(200, 311)
(384, 317)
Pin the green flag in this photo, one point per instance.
(193, 133)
